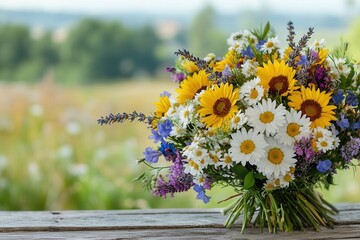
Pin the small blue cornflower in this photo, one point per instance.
(338, 97)
(165, 93)
(260, 44)
(167, 149)
(303, 60)
(343, 123)
(355, 125)
(151, 155)
(201, 193)
(164, 128)
(324, 166)
(156, 136)
(351, 99)
(248, 52)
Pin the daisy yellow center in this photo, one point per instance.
(214, 158)
(269, 44)
(287, 178)
(228, 160)
(269, 186)
(247, 147)
(279, 84)
(277, 182)
(253, 94)
(276, 156)
(266, 117)
(236, 120)
(324, 144)
(319, 135)
(293, 129)
(222, 107)
(198, 153)
(311, 108)
(186, 113)
(292, 170)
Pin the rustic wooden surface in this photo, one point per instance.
(156, 224)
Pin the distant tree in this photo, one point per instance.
(203, 36)
(99, 50)
(15, 45)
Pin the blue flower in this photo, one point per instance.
(156, 136)
(324, 166)
(201, 193)
(260, 43)
(351, 99)
(303, 60)
(167, 149)
(355, 125)
(338, 97)
(343, 123)
(165, 93)
(227, 72)
(247, 52)
(164, 128)
(151, 156)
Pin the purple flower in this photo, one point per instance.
(178, 77)
(151, 156)
(324, 166)
(351, 99)
(351, 149)
(156, 136)
(170, 69)
(164, 128)
(201, 193)
(165, 93)
(178, 180)
(226, 72)
(338, 97)
(343, 123)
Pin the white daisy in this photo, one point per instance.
(325, 144)
(249, 68)
(227, 161)
(320, 132)
(266, 117)
(214, 158)
(186, 114)
(341, 66)
(193, 168)
(251, 91)
(270, 45)
(296, 127)
(238, 120)
(247, 146)
(278, 159)
(318, 44)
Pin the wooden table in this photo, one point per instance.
(156, 224)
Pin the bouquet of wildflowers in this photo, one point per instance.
(273, 124)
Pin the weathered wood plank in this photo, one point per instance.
(155, 224)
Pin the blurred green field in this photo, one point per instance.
(54, 155)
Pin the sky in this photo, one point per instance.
(332, 7)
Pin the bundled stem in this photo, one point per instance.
(282, 210)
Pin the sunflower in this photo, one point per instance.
(218, 105)
(192, 85)
(314, 104)
(230, 60)
(162, 106)
(189, 66)
(277, 77)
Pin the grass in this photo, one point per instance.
(54, 155)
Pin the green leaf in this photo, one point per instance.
(266, 30)
(259, 176)
(249, 180)
(240, 171)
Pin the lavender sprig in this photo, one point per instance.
(121, 117)
(200, 63)
(302, 44)
(290, 37)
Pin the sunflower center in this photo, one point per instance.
(293, 129)
(253, 94)
(279, 84)
(267, 117)
(275, 156)
(247, 146)
(311, 108)
(222, 107)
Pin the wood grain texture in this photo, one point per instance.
(156, 224)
